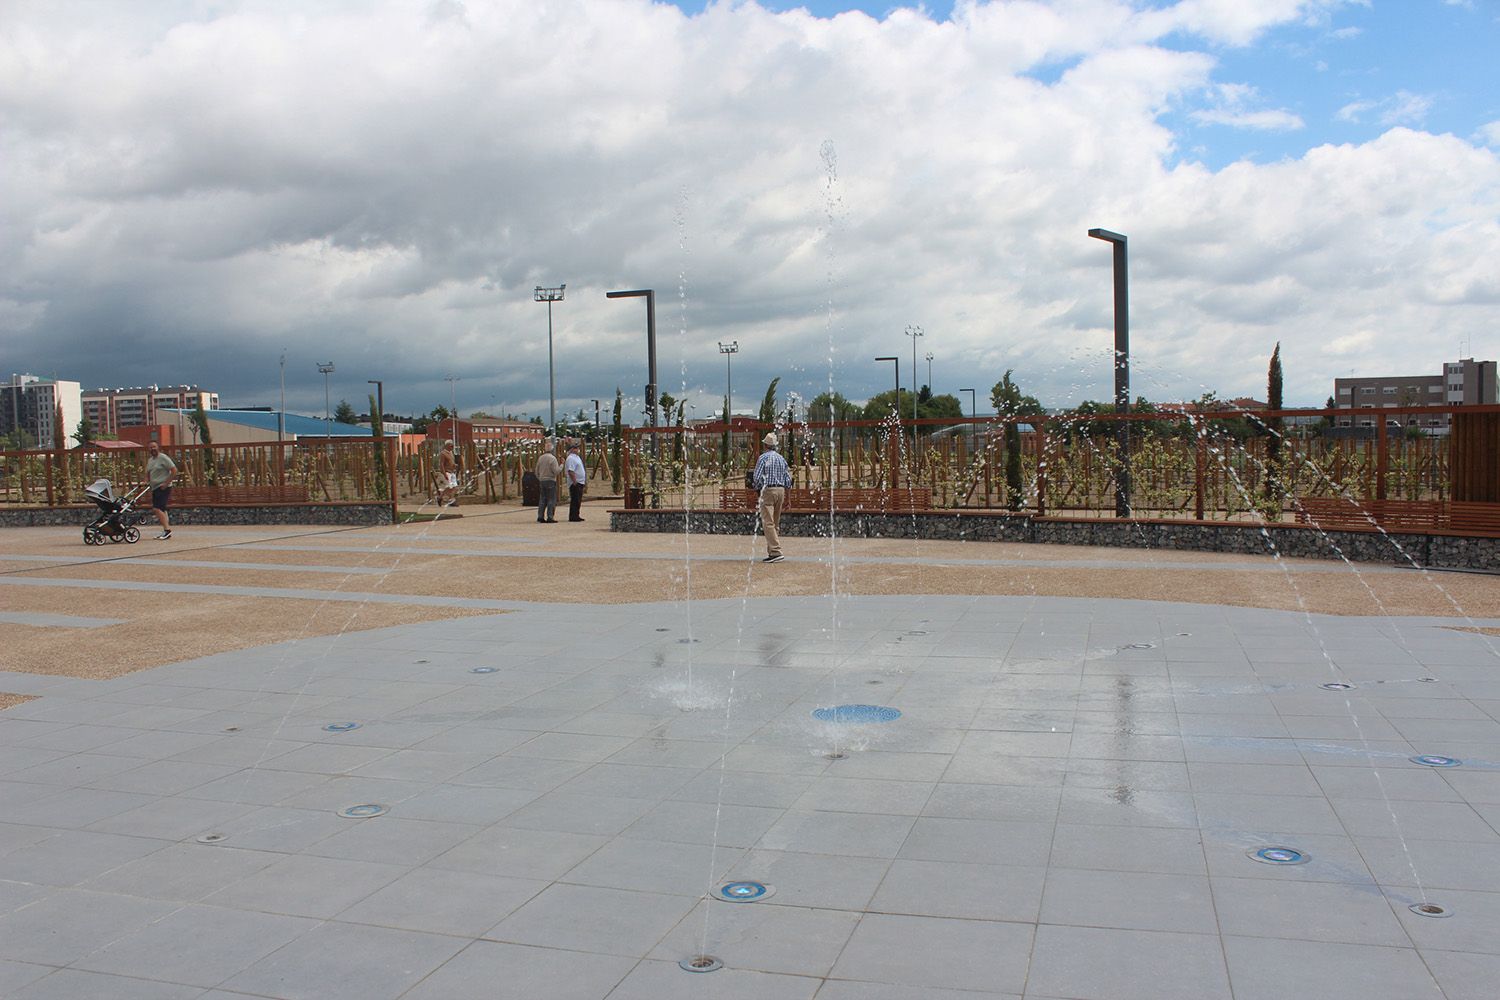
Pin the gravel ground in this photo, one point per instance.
(501, 553)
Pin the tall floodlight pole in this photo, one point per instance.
(281, 414)
(649, 294)
(453, 381)
(326, 367)
(929, 372)
(729, 350)
(972, 415)
(549, 296)
(913, 332)
(1122, 367)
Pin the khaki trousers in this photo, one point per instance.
(771, 500)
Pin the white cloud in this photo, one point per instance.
(1234, 104)
(383, 183)
(1489, 134)
(1401, 108)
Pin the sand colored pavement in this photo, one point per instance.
(315, 581)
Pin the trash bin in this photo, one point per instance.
(635, 498)
(531, 490)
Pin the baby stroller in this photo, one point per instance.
(116, 520)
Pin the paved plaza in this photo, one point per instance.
(833, 794)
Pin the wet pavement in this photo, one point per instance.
(1048, 798)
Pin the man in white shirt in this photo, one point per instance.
(577, 476)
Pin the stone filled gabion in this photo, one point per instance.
(1298, 541)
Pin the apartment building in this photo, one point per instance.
(109, 410)
(34, 405)
(1463, 382)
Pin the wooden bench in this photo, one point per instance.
(1338, 513)
(1474, 518)
(844, 499)
(216, 496)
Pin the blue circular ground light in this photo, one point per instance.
(1336, 686)
(340, 727)
(744, 892)
(1278, 856)
(364, 811)
(1434, 760)
(857, 713)
(484, 670)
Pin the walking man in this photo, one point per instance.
(546, 474)
(577, 476)
(772, 477)
(160, 471)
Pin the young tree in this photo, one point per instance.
(200, 423)
(1009, 401)
(768, 405)
(1273, 424)
(344, 413)
(85, 432)
(615, 435)
(724, 442)
(377, 430)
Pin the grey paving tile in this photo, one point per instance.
(470, 804)
(1464, 976)
(1263, 969)
(71, 857)
(783, 939)
(661, 980)
(1101, 964)
(15, 975)
(1313, 911)
(72, 808)
(537, 854)
(568, 813)
(646, 866)
(841, 833)
(847, 990)
(71, 984)
(948, 889)
(185, 872)
(64, 926)
(527, 972)
(336, 960)
(444, 902)
(935, 952)
(703, 823)
(1132, 900)
(975, 841)
(307, 886)
(818, 880)
(171, 818)
(392, 840)
(593, 919)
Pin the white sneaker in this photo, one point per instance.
(166, 533)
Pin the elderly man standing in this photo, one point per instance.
(546, 474)
(772, 477)
(577, 477)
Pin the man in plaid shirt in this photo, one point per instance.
(772, 477)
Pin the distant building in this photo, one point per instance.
(111, 409)
(1465, 382)
(33, 405)
(485, 432)
(256, 426)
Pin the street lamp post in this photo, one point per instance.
(1122, 367)
(729, 350)
(549, 296)
(913, 332)
(453, 381)
(929, 373)
(379, 404)
(972, 415)
(326, 367)
(649, 294)
(597, 428)
(281, 414)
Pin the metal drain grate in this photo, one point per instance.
(1335, 686)
(1430, 910)
(856, 713)
(701, 963)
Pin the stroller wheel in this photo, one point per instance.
(90, 536)
(132, 535)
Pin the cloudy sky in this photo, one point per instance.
(190, 189)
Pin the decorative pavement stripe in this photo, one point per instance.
(55, 621)
(290, 593)
(205, 564)
(1259, 565)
